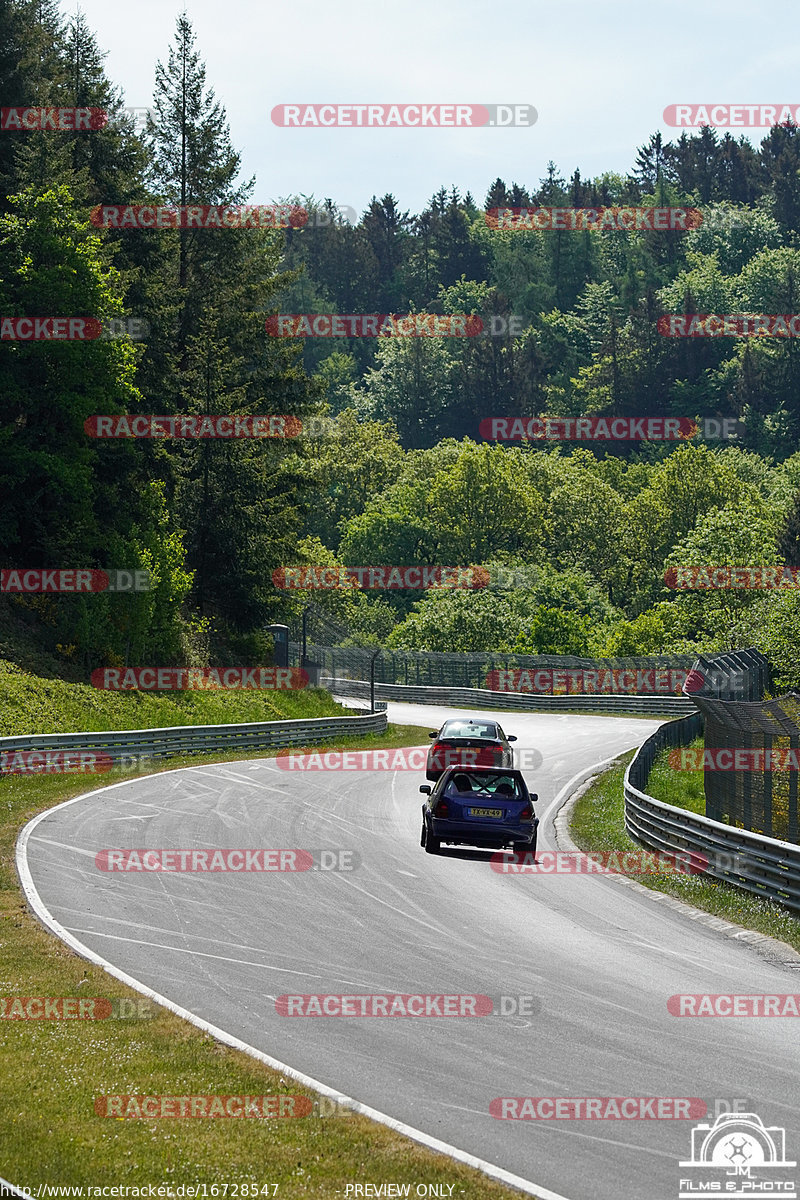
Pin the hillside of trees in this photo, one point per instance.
(403, 476)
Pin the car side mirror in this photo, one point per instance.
(512, 737)
(435, 733)
(426, 788)
(534, 797)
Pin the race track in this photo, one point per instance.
(601, 959)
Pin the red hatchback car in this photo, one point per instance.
(468, 743)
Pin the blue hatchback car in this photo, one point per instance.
(482, 806)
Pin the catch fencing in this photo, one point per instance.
(762, 800)
(460, 697)
(469, 680)
(762, 866)
(424, 668)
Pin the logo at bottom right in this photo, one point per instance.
(738, 1156)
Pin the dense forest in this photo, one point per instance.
(402, 474)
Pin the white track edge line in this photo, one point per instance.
(416, 1135)
(560, 799)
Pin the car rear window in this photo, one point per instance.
(498, 785)
(461, 729)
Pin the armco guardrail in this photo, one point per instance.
(201, 739)
(760, 865)
(521, 701)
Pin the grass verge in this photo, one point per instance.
(30, 704)
(598, 824)
(52, 1070)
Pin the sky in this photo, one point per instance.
(598, 73)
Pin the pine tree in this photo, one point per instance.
(518, 197)
(552, 189)
(241, 501)
(193, 161)
(16, 86)
(387, 230)
(113, 157)
(497, 196)
(780, 155)
(654, 163)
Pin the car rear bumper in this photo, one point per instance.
(492, 837)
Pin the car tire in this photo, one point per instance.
(432, 844)
(424, 832)
(527, 847)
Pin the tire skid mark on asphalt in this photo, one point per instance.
(78, 912)
(262, 966)
(64, 846)
(437, 929)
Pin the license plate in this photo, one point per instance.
(485, 812)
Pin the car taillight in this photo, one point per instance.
(441, 809)
(526, 813)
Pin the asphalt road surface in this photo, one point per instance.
(600, 960)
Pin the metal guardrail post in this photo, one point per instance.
(373, 660)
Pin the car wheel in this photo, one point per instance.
(424, 832)
(432, 844)
(526, 847)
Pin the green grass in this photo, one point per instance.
(682, 789)
(30, 704)
(598, 824)
(52, 1071)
